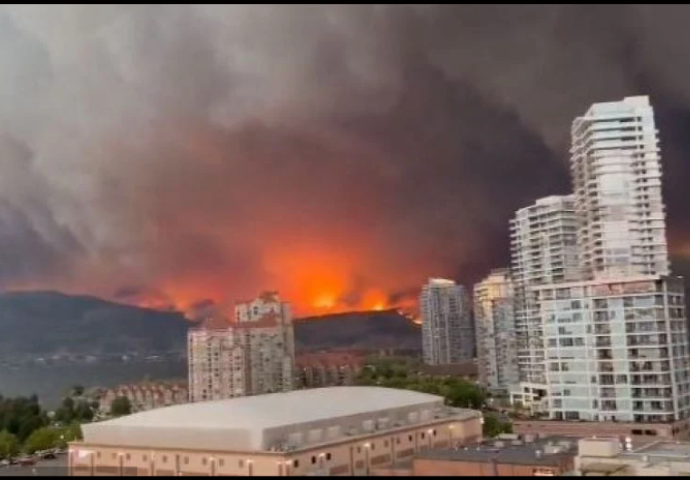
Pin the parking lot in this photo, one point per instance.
(43, 468)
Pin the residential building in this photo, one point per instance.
(509, 457)
(327, 369)
(614, 343)
(447, 332)
(145, 396)
(608, 457)
(323, 431)
(268, 303)
(252, 356)
(494, 323)
(616, 350)
(543, 240)
(616, 170)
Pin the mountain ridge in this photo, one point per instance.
(46, 322)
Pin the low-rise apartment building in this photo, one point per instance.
(610, 457)
(145, 396)
(327, 369)
(507, 457)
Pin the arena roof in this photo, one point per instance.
(239, 423)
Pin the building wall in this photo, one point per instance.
(616, 171)
(494, 316)
(218, 364)
(356, 456)
(447, 331)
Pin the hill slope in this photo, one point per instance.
(37, 324)
(358, 330)
(48, 323)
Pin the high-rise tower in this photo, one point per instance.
(616, 169)
(447, 333)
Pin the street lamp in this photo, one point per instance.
(367, 446)
(121, 457)
(213, 465)
(152, 465)
(283, 468)
(80, 455)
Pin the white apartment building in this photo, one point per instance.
(250, 357)
(494, 323)
(543, 250)
(616, 342)
(616, 169)
(447, 333)
(616, 350)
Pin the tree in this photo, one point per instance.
(71, 410)
(28, 425)
(494, 426)
(9, 445)
(120, 406)
(77, 391)
(42, 439)
(68, 434)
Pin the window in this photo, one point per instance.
(423, 435)
(204, 461)
(385, 443)
(328, 456)
(313, 460)
(113, 455)
(128, 457)
(165, 459)
(295, 463)
(433, 432)
(98, 454)
(397, 440)
(359, 449)
(241, 463)
(144, 458)
(221, 462)
(186, 460)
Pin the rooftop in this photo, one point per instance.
(548, 451)
(241, 423)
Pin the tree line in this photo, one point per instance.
(407, 374)
(25, 427)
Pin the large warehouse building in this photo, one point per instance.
(324, 431)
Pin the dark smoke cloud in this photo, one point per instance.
(207, 151)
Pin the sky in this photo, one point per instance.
(175, 154)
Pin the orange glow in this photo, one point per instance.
(325, 302)
(314, 280)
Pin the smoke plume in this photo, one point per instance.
(172, 155)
